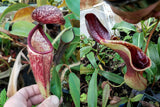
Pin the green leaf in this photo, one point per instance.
(112, 77)
(67, 36)
(76, 68)
(153, 54)
(127, 38)
(92, 59)
(41, 2)
(158, 27)
(85, 50)
(72, 47)
(151, 72)
(106, 94)
(83, 98)
(67, 19)
(55, 84)
(124, 26)
(136, 98)
(11, 8)
(68, 23)
(158, 46)
(74, 6)
(22, 28)
(149, 21)
(3, 97)
(153, 69)
(85, 70)
(7, 25)
(76, 31)
(58, 67)
(92, 90)
(49, 37)
(138, 39)
(5, 36)
(74, 85)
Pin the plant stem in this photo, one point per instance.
(151, 27)
(14, 37)
(59, 35)
(116, 85)
(5, 62)
(8, 33)
(142, 23)
(12, 59)
(153, 82)
(151, 36)
(69, 66)
(20, 44)
(61, 49)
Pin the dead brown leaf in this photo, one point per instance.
(115, 100)
(12, 86)
(75, 23)
(24, 14)
(5, 74)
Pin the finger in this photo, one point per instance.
(37, 99)
(61, 100)
(29, 91)
(15, 102)
(51, 101)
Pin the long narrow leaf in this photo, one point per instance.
(56, 84)
(12, 85)
(3, 97)
(125, 26)
(85, 50)
(74, 85)
(138, 39)
(92, 59)
(106, 94)
(112, 77)
(92, 91)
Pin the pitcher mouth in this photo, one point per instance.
(45, 46)
(132, 54)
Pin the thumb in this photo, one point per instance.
(51, 101)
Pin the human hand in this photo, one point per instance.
(28, 96)
(136, 16)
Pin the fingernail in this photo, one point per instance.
(54, 100)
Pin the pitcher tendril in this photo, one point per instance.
(145, 51)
